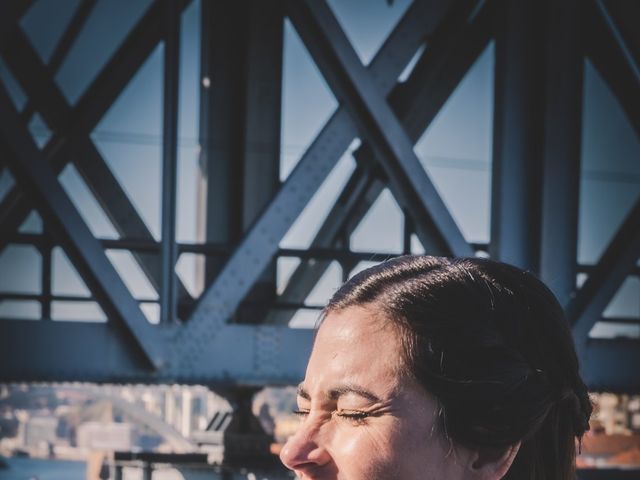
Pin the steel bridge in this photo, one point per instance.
(237, 333)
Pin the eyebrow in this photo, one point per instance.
(336, 392)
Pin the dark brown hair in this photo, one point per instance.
(491, 343)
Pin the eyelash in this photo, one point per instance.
(353, 416)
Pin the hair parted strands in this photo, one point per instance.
(491, 343)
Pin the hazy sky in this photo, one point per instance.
(455, 150)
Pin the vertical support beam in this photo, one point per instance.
(147, 471)
(516, 135)
(260, 244)
(169, 160)
(407, 230)
(537, 129)
(45, 252)
(564, 67)
(240, 106)
(261, 125)
(263, 92)
(221, 106)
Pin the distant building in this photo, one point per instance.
(106, 436)
(39, 431)
(616, 414)
(618, 450)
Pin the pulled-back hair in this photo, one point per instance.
(491, 343)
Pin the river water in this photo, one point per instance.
(37, 469)
(33, 468)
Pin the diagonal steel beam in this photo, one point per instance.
(451, 51)
(83, 11)
(378, 125)
(93, 104)
(46, 97)
(10, 14)
(607, 50)
(260, 243)
(70, 35)
(33, 172)
(35, 79)
(359, 193)
(617, 261)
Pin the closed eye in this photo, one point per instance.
(355, 416)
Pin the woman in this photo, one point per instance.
(431, 368)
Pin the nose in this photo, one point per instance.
(304, 452)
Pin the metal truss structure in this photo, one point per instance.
(237, 332)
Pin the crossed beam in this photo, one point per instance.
(73, 125)
(452, 49)
(612, 57)
(349, 80)
(397, 51)
(608, 364)
(33, 172)
(362, 112)
(260, 244)
(616, 262)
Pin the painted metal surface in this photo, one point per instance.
(377, 124)
(260, 243)
(416, 102)
(34, 174)
(586, 308)
(559, 199)
(535, 179)
(169, 251)
(72, 126)
(517, 133)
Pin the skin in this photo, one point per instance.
(361, 419)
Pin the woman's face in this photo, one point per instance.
(360, 418)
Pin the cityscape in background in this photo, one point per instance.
(82, 422)
(71, 421)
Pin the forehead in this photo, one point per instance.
(356, 345)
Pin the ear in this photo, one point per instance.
(492, 463)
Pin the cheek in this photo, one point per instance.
(401, 449)
(370, 452)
